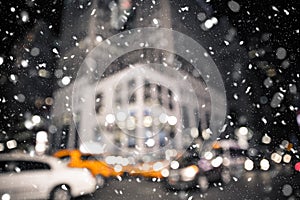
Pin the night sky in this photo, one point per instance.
(252, 15)
(11, 19)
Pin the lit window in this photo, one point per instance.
(132, 95)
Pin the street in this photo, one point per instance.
(273, 184)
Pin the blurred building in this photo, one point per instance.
(137, 109)
(87, 23)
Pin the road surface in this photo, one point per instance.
(273, 184)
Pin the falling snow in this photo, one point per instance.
(254, 46)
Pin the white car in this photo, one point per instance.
(41, 177)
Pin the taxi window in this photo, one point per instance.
(65, 158)
(91, 157)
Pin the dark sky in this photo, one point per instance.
(251, 15)
(13, 29)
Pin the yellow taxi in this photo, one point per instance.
(149, 167)
(99, 168)
(157, 169)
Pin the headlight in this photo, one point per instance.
(217, 161)
(287, 158)
(249, 165)
(276, 157)
(264, 164)
(189, 173)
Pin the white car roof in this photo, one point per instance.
(23, 156)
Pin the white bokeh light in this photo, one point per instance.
(110, 118)
(66, 80)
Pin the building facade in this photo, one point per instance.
(138, 109)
